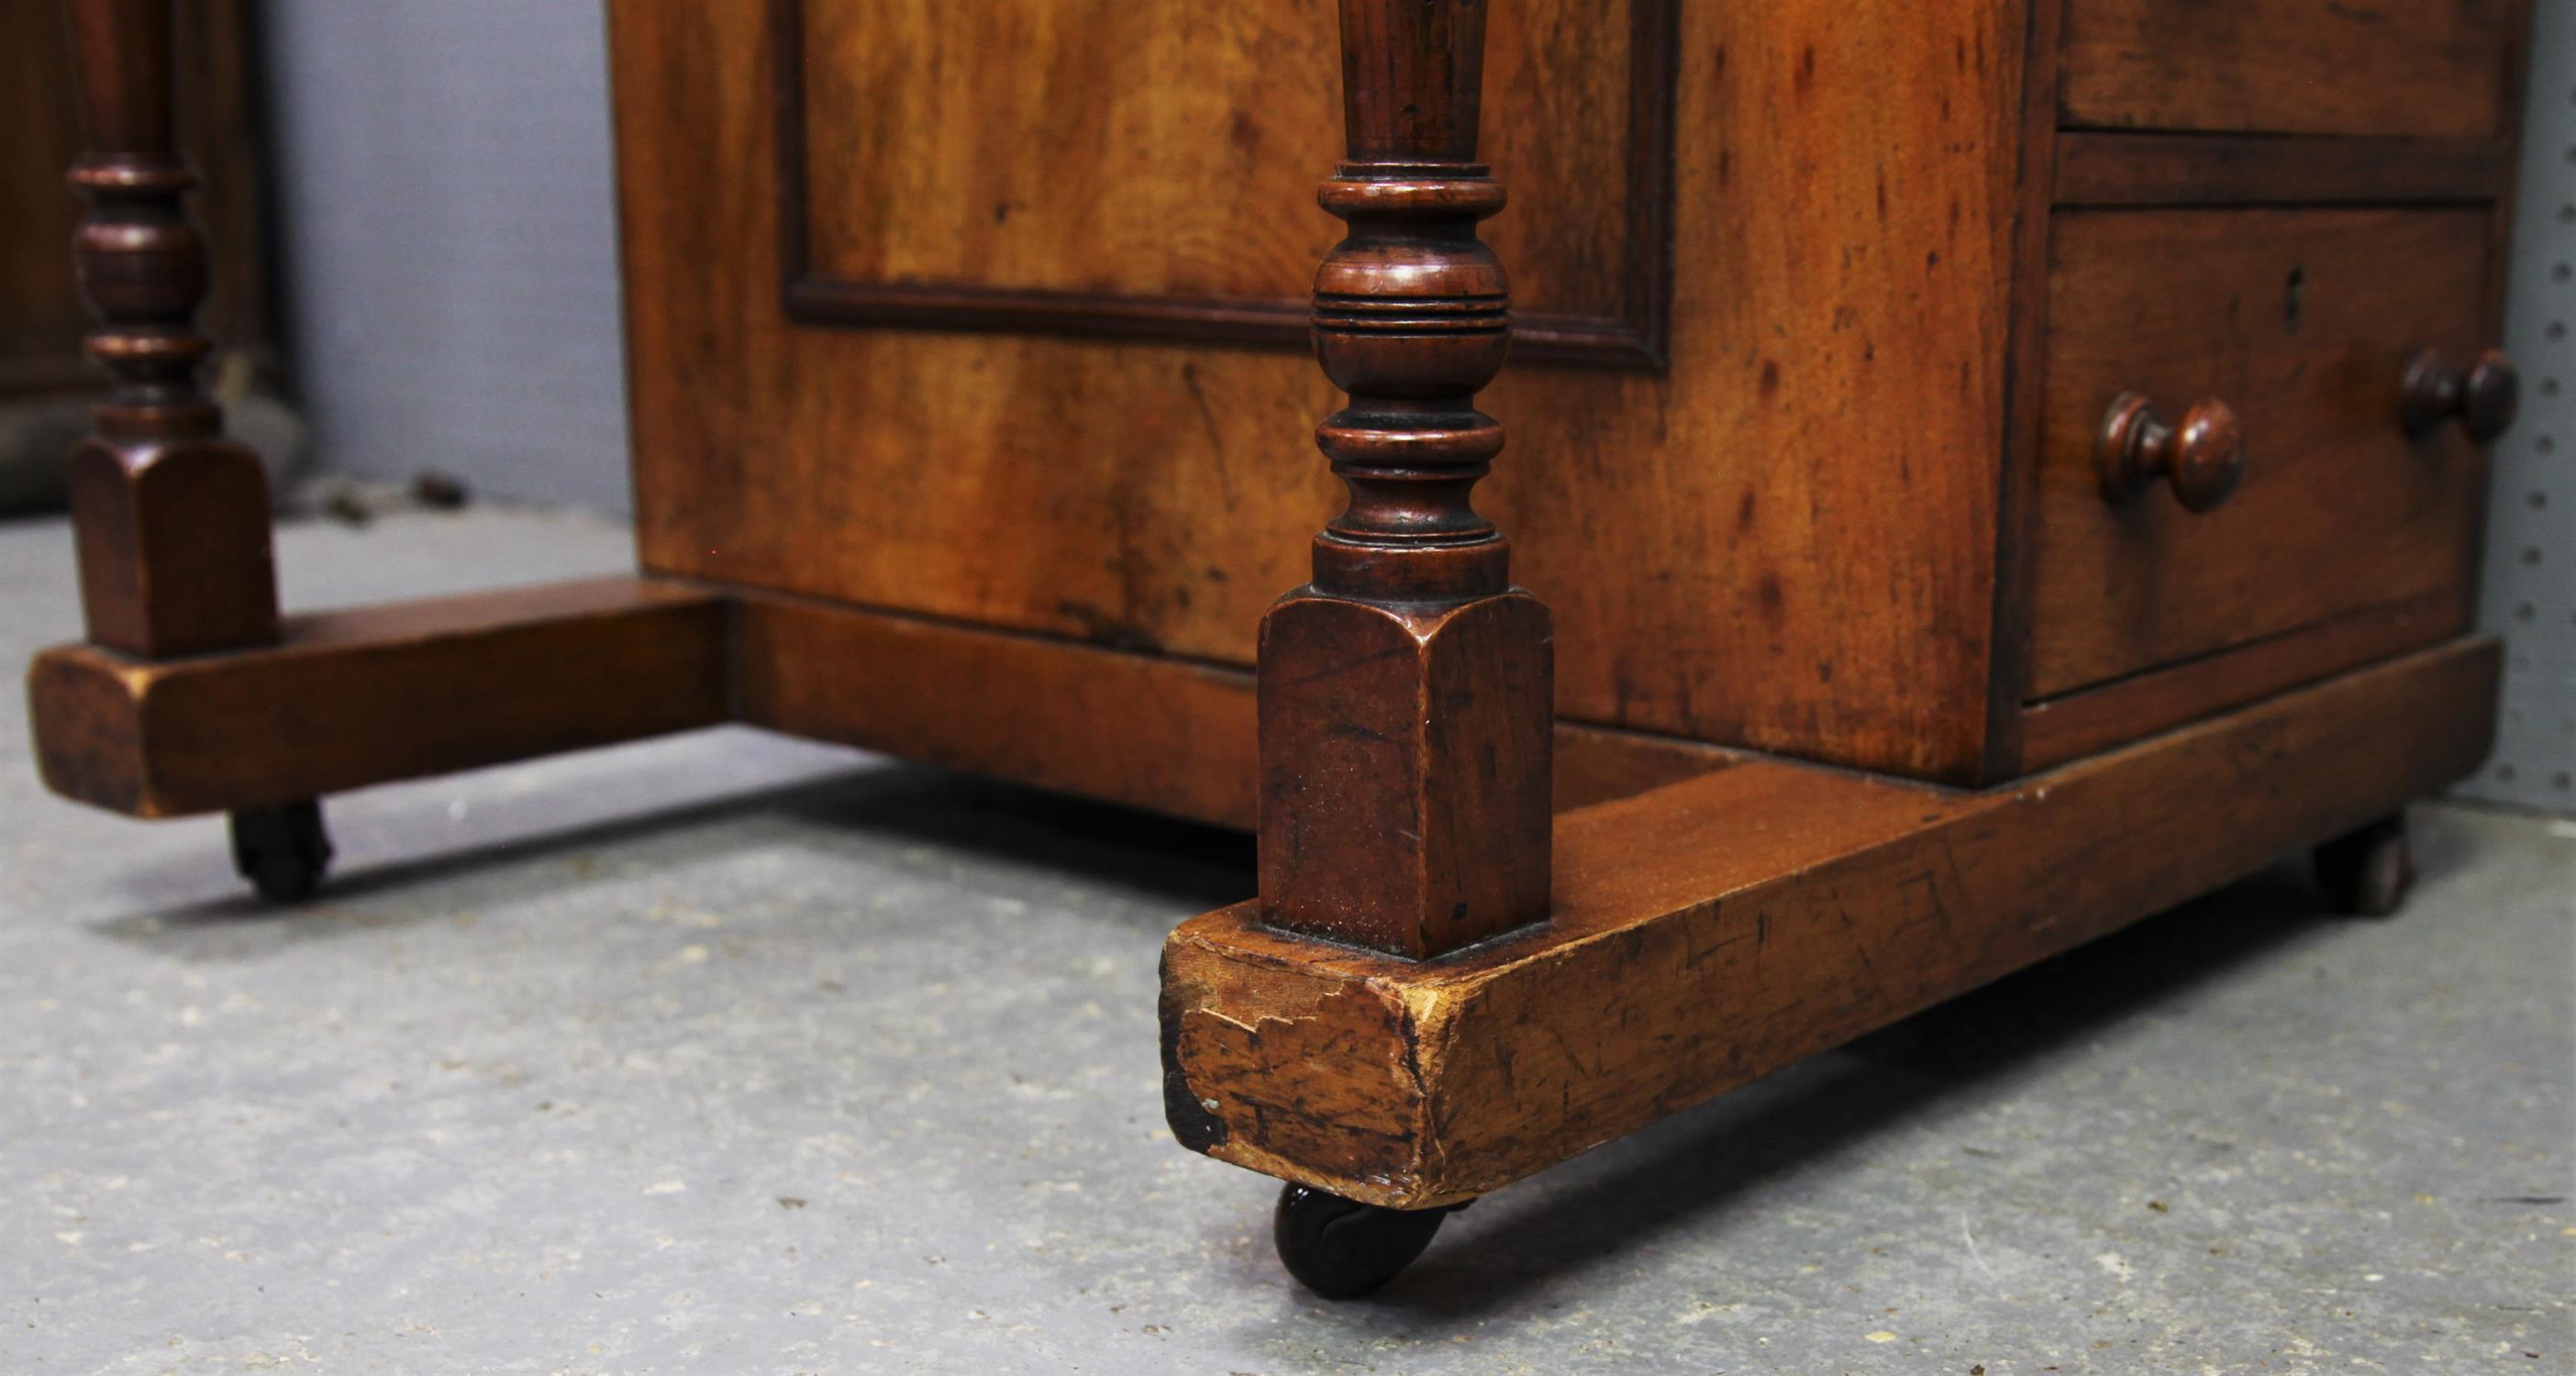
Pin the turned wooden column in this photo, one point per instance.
(1405, 694)
(171, 518)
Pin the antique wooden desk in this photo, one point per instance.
(1979, 473)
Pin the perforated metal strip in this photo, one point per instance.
(2529, 595)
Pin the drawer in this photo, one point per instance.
(2301, 323)
(2397, 68)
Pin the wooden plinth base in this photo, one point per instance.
(351, 698)
(375, 694)
(1716, 915)
(1721, 927)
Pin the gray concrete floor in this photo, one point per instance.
(734, 1054)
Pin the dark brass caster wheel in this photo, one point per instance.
(283, 851)
(2367, 872)
(1342, 1249)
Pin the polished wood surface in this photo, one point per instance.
(2302, 323)
(410, 689)
(1405, 794)
(1952, 391)
(2106, 169)
(2200, 454)
(2424, 70)
(1843, 182)
(1149, 731)
(918, 190)
(1884, 611)
(1073, 718)
(42, 318)
(2073, 725)
(1794, 539)
(171, 517)
(370, 695)
(1713, 931)
(1405, 693)
(2482, 394)
(2024, 394)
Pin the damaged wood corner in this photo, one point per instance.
(1301, 1072)
(1723, 927)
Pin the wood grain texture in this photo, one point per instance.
(42, 319)
(943, 197)
(2110, 169)
(170, 517)
(1406, 692)
(1161, 734)
(370, 695)
(2024, 392)
(2301, 321)
(172, 538)
(1719, 929)
(1405, 795)
(1845, 196)
(2090, 719)
(1144, 730)
(598, 661)
(2426, 70)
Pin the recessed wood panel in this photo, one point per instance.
(1139, 167)
(1787, 539)
(2301, 321)
(2402, 68)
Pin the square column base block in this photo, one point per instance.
(1405, 795)
(173, 542)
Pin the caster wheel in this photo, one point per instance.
(1342, 1249)
(283, 851)
(2367, 872)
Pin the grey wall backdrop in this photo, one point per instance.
(446, 186)
(449, 239)
(2529, 594)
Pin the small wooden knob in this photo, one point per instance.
(2484, 398)
(2204, 457)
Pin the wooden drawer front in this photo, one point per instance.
(2301, 322)
(2424, 68)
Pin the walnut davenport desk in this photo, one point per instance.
(1979, 473)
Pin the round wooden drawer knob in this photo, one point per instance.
(2203, 457)
(2484, 397)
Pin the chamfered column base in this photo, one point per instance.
(1405, 769)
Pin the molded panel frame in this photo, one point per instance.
(1634, 339)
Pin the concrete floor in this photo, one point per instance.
(735, 1054)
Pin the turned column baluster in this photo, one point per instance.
(171, 518)
(1405, 693)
